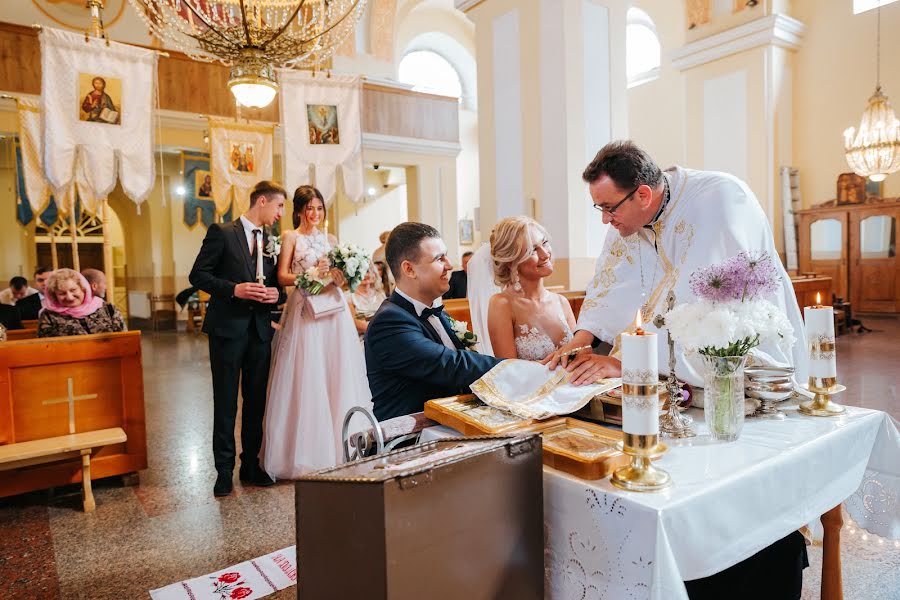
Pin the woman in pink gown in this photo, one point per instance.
(318, 369)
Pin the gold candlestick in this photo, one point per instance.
(821, 405)
(641, 475)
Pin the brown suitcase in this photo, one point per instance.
(459, 518)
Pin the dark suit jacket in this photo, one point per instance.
(9, 316)
(458, 282)
(223, 262)
(408, 364)
(29, 307)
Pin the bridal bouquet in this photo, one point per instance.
(312, 280)
(352, 261)
(730, 317)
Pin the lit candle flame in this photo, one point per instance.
(818, 298)
(637, 321)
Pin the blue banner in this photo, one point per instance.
(199, 205)
(24, 213)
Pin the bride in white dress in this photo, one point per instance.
(318, 370)
(524, 320)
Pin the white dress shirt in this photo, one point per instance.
(248, 231)
(6, 296)
(433, 319)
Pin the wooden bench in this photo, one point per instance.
(29, 323)
(458, 308)
(63, 448)
(52, 387)
(28, 333)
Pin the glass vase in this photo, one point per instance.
(723, 396)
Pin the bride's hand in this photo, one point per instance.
(337, 277)
(563, 356)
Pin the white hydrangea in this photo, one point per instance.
(352, 266)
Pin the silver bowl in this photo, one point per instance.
(769, 385)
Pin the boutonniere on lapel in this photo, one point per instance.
(461, 330)
(273, 246)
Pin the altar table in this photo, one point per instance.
(728, 501)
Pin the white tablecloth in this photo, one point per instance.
(728, 501)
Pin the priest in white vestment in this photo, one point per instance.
(666, 225)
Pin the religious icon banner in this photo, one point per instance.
(98, 101)
(33, 184)
(240, 157)
(199, 205)
(322, 128)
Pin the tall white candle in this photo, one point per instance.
(259, 260)
(820, 339)
(640, 373)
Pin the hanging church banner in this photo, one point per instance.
(98, 101)
(32, 184)
(199, 205)
(322, 129)
(241, 156)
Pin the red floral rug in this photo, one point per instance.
(248, 580)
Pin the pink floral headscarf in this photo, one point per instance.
(88, 306)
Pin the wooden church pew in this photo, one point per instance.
(52, 387)
(29, 333)
(458, 308)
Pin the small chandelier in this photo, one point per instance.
(873, 150)
(253, 37)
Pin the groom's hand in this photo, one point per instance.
(588, 368)
(271, 295)
(251, 291)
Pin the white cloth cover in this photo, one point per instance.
(105, 150)
(256, 578)
(711, 217)
(728, 501)
(480, 287)
(299, 90)
(234, 183)
(531, 390)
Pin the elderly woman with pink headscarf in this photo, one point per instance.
(70, 308)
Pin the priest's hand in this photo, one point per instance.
(250, 290)
(271, 296)
(588, 368)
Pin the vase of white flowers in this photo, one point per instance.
(729, 319)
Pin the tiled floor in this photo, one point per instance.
(169, 527)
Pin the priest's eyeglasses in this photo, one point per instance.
(615, 207)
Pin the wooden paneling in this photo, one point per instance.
(33, 372)
(458, 308)
(189, 86)
(392, 111)
(806, 288)
(836, 268)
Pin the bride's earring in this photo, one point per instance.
(517, 286)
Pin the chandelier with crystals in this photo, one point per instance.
(873, 150)
(253, 37)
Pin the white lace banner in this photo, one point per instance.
(240, 156)
(98, 106)
(248, 580)
(322, 128)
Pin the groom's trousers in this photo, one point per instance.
(245, 360)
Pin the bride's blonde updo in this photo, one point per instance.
(512, 241)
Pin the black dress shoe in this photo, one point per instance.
(255, 476)
(223, 484)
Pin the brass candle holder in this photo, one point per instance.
(674, 423)
(821, 405)
(641, 475)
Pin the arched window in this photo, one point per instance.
(641, 48)
(430, 72)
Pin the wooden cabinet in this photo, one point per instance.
(855, 245)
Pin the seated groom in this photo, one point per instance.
(412, 354)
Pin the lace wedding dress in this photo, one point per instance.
(546, 334)
(318, 373)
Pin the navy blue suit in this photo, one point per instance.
(407, 363)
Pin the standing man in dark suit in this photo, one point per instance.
(412, 352)
(459, 280)
(238, 322)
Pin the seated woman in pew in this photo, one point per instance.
(70, 308)
(366, 299)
